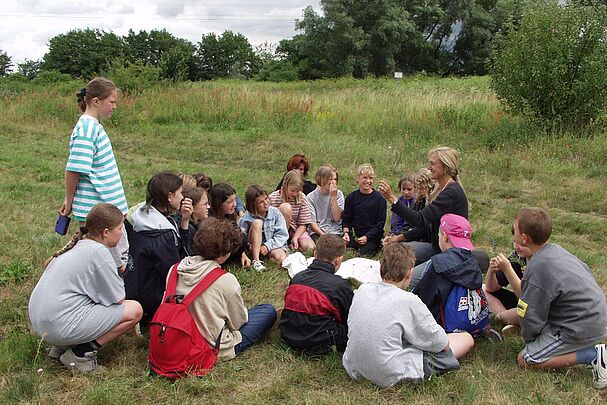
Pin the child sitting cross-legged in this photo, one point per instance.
(265, 228)
(562, 310)
(392, 335)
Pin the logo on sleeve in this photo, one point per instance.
(521, 308)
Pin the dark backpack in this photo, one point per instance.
(177, 349)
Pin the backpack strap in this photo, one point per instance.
(203, 285)
(171, 283)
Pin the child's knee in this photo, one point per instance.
(133, 311)
(257, 225)
(286, 209)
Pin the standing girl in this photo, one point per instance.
(156, 241)
(91, 173)
(265, 227)
(78, 304)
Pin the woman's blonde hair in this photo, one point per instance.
(449, 158)
(101, 217)
(293, 178)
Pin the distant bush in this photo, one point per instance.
(134, 77)
(553, 67)
(51, 76)
(277, 71)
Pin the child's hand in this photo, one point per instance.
(500, 262)
(362, 240)
(386, 191)
(333, 189)
(186, 208)
(294, 244)
(346, 237)
(66, 208)
(264, 250)
(388, 239)
(244, 260)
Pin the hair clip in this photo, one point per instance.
(82, 92)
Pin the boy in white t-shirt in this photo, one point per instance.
(392, 336)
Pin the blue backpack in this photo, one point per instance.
(465, 311)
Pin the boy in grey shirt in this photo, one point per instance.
(562, 310)
(392, 336)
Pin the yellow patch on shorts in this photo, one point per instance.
(521, 308)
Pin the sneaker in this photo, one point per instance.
(258, 266)
(492, 335)
(86, 364)
(511, 330)
(599, 367)
(55, 352)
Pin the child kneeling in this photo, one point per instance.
(392, 336)
(220, 309)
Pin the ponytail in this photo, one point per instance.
(99, 87)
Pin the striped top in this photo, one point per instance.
(302, 215)
(92, 157)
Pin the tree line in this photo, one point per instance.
(349, 38)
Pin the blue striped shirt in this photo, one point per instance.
(92, 157)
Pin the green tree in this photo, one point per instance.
(174, 56)
(5, 64)
(82, 53)
(29, 68)
(228, 55)
(379, 36)
(554, 66)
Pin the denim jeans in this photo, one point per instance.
(423, 251)
(261, 319)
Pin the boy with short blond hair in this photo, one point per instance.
(562, 310)
(392, 336)
(364, 214)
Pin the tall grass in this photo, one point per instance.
(243, 133)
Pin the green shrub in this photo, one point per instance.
(133, 77)
(278, 71)
(51, 76)
(553, 67)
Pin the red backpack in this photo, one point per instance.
(177, 349)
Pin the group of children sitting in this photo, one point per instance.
(191, 226)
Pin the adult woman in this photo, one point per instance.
(448, 197)
(301, 163)
(78, 304)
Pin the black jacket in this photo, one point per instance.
(315, 315)
(155, 246)
(452, 200)
(453, 266)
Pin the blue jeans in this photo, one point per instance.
(423, 251)
(261, 319)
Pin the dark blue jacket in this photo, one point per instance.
(453, 266)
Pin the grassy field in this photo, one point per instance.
(243, 133)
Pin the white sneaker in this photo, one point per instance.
(86, 364)
(258, 266)
(599, 367)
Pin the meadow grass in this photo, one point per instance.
(243, 133)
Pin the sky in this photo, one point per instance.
(27, 25)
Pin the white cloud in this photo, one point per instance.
(27, 25)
